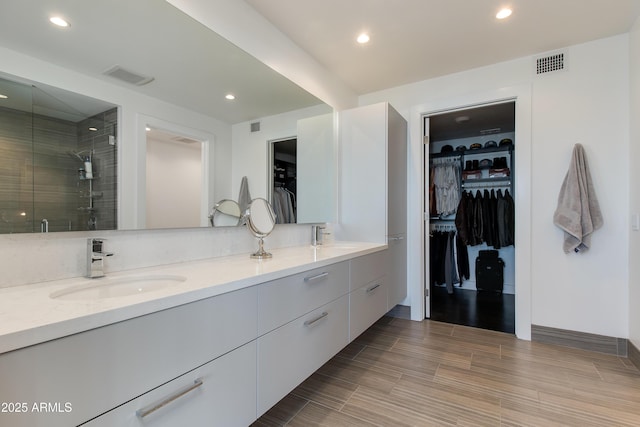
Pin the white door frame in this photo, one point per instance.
(522, 194)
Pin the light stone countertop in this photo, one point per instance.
(28, 315)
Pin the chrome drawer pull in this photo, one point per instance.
(311, 322)
(143, 412)
(373, 288)
(316, 277)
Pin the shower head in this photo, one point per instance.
(75, 155)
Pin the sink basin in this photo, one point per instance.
(120, 287)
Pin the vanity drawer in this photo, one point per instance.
(283, 300)
(367, 304)
(97, 370)
(367, 268)
(220, 393)
(288, 355)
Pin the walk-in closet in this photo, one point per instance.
(283, 196)
(469, 216)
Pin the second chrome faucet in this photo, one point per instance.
(95, 257)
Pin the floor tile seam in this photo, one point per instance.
(582, 414)
(419, 355)
(412, 412)
(307, 401)
(488, 390)
(496, 371)
(584, 399)
(346, 402)
(450, 406)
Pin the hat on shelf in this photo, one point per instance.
(485, 164)
(506, 141)
(475, 146)
(446, 149)
(490, 144)
(461, 148)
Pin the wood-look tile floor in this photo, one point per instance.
(405, 373)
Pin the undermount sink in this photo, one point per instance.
(120, 287)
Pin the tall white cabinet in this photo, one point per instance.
(373, 186)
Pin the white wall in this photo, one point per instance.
(588, 104)
(174, 184)
(250, 151)
(634, 195)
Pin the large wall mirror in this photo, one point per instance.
(186, 71)
(58, 151)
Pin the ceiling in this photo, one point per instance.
(411, 40)
(192, 66)
(414, 40)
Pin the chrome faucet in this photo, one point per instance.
(317, 234)
(95, 257)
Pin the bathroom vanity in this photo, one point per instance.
(218, 348)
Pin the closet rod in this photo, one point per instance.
(486, 184)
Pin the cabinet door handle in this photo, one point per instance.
(143, 412)
(373, 288)
(317, 319)
(316, 277)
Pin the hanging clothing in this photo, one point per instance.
(486, 217)
(446, 183)
(284, 206)
(443, 267)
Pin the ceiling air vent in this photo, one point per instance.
(184, 140)
(255, 127)
(117, 72)
(551, 63)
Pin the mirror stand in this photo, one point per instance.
(260, 222)
(261, 253)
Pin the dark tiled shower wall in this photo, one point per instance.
(105, 165)
(39, 175)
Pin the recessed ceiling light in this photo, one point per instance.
(504, 13)
(3, 96)
(92, 129)
(230, 96)
(60, 22)
(363, 38)
(148, 129)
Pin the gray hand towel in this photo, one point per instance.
(578, 213)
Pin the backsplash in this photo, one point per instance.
(33, 258)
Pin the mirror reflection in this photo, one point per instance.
(225, 213)
(188, 91)
(58, 160)
(260, 222)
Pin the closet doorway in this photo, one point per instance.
(283, 179)
(469, 216)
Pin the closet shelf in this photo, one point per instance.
(497, 181)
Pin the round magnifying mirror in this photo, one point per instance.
(260, 220)
(226, 213)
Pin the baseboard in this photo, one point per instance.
(581, 340)
(634, 354)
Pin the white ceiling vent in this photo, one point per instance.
(184, 140)
(255, 127)
(551, 63)
(117, 72)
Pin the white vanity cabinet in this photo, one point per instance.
(304, 320)
(368, 297)
(373, 186)
(222, 360)
(219, 393)
(81, 376)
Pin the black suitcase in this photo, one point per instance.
(489, 271)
